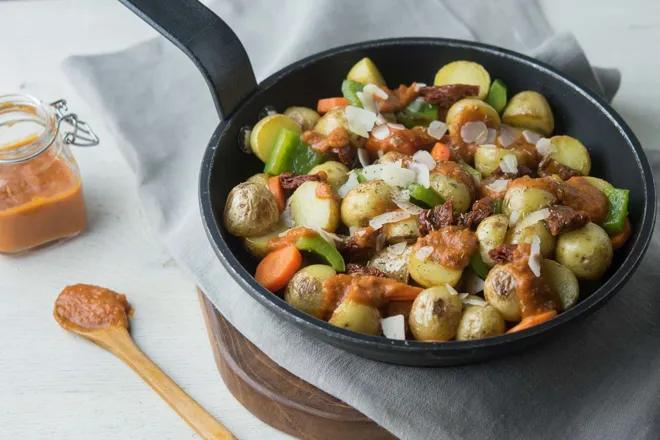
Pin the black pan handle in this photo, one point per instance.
(208, 41)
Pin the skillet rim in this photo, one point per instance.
(326, 331)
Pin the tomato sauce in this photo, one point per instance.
(91, 307)
(289, 238)
(453, 246)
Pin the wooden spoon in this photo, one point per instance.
(101, 316)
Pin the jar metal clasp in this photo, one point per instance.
(82, 134)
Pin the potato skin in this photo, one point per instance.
(303, 116)
(500, 292)
(450, 188)
(526, 200)
(366, 72)
(428, 273)
(305, 290)
(487, 159)
(250, 210)
(435, 315)
(479, 322)
(310, 210)
(260, 179)
(366, 201)
(522, 233)
(470, 110)
(563, 282)
(529, 110)
(404, 230)
(337, 173)
(587, 251)
(571, 153)
(491, 233)
(464, 72)
(393, 265)
(358, 317)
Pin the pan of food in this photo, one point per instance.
(418, 201)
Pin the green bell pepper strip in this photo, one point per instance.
(476, 175)
(360, 176)
(424, 196)
(418, 113)
(497, 206)
(618, 202)
(281, 156)
(349, 89)
(497, 95)
(305, 158)
(478, 266)
(319, 246)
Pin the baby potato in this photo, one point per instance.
(500, 292)
(450, 188)
(250, 210)
(404, 230)
(487, 159)
(366, 201)
(360, 318)
(529, 110)
(470, 110)
(587, 251)
(335, 118)
(310, 207)
(599, 183)
(258, 246)
(479, 322)
(260, 179)
(265, 133)
(491, 233)
(435, 315)
(562, 281)
(526, 200)
(464, 72)
(525, 230)
(305, 290)
(337, 173)
(393, 264)
(305, 117)
(366, 72)
(393, 157)
(427, 272)
(572, 153)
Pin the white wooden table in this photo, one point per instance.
(55, 386)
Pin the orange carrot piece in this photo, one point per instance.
(618, 239)
(277, 268)
(401, 292)
(531, 321)
(327, 104)
(275, 187)
(440, 151)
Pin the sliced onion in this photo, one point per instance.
(509, 164)
(380, 132)
(475, 302)
(545, 147)
(351, 183)
(388, 217)
(513, 219)
(372, 171)
(360, 121)
(418, 86)
(374, 90)
(381, 239)
(287, 216)
(328, 236)
(416, 105)
(380, 119)
(425, 158)
(531, 136)
(363, 157)
(396, 126)
(534, 217)
(535, 257)
(452, 291)
(367, 101)
(352, 230)
(402, 195)
(437, 129)
(394, 327)
(473, 131)
(394, 175)
(462, 296)
(508, 135)
(492, 135)
(409, 207)
(500, 185)
(474, 284)
(424, 253)
(398, 249)
(422, 174)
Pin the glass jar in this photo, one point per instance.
(41, 198)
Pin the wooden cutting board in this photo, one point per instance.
(276, 396)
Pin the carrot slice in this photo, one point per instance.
(275, 187)
(531, 321)
(327, 104)
(277, 268)
(618, 239)
(440, 151)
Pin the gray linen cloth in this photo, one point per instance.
(596, 381)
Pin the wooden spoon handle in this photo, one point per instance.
(122, 345)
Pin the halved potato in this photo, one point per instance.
(305, 117)
(449, 188)
(337, 173)
(428, 273)
(265, 133)
(470, 110)
(366, 72)
(562, 281)
(393, 264)
(487, 159)
(491, 233)
(572, 153)
(525, 230)
(358, 317)
(529, 110)
(366, 201)
(308, 209)
(464, 72)
(258, 246)
(404, 230)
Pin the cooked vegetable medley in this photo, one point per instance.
(425, 212)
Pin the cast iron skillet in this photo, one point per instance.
(214, 48)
